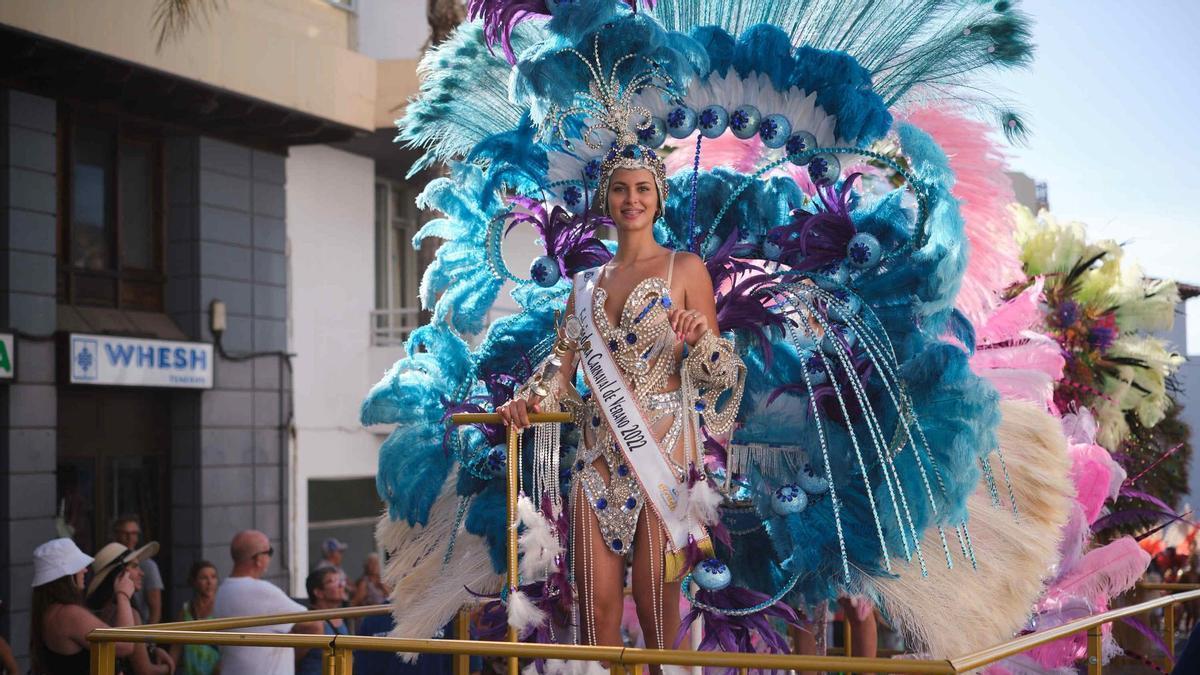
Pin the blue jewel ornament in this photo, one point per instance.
(617, 545)
(789, 499)
(831, 345)
(681, 121)
(775, 130)
(824, 169)
(700, 405)
(630, 338)
(811, 481)
(712, 575)
(653, 135)
(595, 420)
(623, 470)
(544, 270)
(863, 251)
(713, 121)
(496, 458)
(799, 142)
(591, 171)
(630, 503)
(579, 465)
(847, 309)
(601, 504)
(744, 121)
(572, 196)
(665, 301)
(815, 367)
(612, 345)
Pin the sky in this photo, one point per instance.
(1113, 102)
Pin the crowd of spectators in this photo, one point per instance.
(122, 586)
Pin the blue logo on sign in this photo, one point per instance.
(83, 364)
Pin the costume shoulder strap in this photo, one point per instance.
(670, 268)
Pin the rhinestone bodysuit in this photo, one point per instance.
(643, 346)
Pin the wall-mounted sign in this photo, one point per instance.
(133, 362)
(7, 356)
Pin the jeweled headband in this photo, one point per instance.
(632, 156)
(608, 104)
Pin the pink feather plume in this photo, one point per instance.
(984, 191)
(1020, 363)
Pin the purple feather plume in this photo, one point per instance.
(825, 395)
(741, 304)
(501, 17)
(569, 239)
(814, 241)
(729, 633)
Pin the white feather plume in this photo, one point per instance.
(704, 503)
(426, 593)
(523, 614)
(539, 544)
(560, 667)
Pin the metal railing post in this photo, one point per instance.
(327, 667)
(1169, 635)
(343, 660)
(104, 658)
(1095, 650)
(514, 478)
(462, 631)
(847, 633)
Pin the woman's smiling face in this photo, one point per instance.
(632, 198)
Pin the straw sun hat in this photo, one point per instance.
(114, 557)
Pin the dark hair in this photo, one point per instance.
(61, 591)
(315, 580)
(196, 568)
(98, 599)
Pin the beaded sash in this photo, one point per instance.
(632, 432)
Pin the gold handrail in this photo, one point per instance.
(625, 656)
(513, 463)
(256, 621)
(340, 646)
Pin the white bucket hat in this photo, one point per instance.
(57, 558)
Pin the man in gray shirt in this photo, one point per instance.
(127, 530)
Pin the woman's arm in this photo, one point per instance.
(77, 622)
(360, 592)
(8, 664)
(712, 365)
(697, 314)
(516, 411)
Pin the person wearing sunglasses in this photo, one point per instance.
(245, 593)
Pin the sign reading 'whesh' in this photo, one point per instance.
(112, 360)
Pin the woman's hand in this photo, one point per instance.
(516, 412)
(163, 658)
(689, 325)
(124, 584)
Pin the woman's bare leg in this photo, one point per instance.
(657, 600)
(599, 577)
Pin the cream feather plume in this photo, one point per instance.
(956, 611)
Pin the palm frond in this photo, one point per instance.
(172, 18)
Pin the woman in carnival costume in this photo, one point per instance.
(776, 406)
